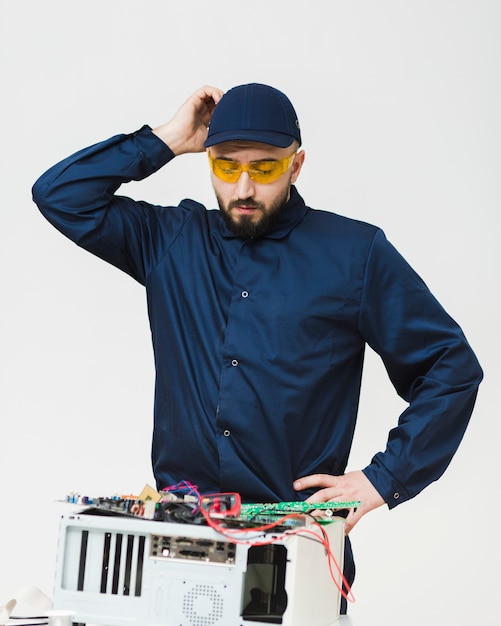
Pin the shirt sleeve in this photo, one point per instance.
(78, 197)
(431, 366)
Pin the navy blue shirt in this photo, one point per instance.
(259, 344)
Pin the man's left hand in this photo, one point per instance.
(347, 488)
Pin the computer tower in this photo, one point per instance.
(120, 571)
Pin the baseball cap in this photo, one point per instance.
(254, 112)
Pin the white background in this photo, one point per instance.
(399, 103)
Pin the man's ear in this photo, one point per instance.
(297, 165)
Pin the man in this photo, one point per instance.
(260, 313)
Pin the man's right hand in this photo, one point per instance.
(187, 130)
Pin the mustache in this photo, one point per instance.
(251, 204)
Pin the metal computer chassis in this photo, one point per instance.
(117, 571)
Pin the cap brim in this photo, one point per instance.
(278, 140)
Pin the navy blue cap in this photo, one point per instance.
(254, 112)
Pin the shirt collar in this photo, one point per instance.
(294, 211)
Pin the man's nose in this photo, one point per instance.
(245, 186)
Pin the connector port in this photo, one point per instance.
(193, 549)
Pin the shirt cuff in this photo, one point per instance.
(388, 487)
(152, 147)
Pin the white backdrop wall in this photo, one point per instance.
(400, 105)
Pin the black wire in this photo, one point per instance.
(182, 513)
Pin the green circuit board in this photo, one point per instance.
(250, 510)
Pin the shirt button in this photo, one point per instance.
(234, 362)
(245, 294)
(226, 433)
(396, 495)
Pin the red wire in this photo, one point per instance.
(230, 532)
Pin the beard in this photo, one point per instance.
(253, 226)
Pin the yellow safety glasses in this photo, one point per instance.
(263, 172)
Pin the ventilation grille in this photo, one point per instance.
(203, 606)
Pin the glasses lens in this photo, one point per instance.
(266, 171)
(229, 171)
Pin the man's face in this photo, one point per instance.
(250, 209)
